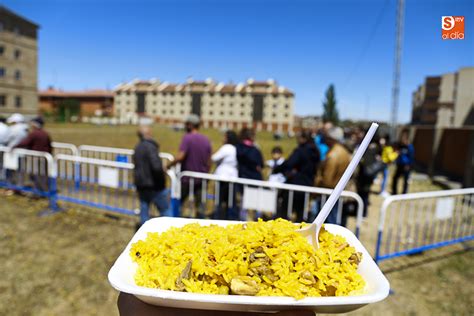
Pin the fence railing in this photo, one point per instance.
(95, 182)
(236, 195)
(29, 171)
(64, 148)
(415, 222)
(113, 153)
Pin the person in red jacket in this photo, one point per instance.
(39, 140)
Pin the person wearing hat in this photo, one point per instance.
(194, 155)
(18, 130)
(336, 162)
(38, 139)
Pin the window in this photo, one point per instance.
(211, 104)
(182, 112)
(286, 114)
(182, 94)
(171, 103)
(172, 94)
(242, 105)
(222, 113)
(17, 75)
(164, 111)
(164, 102)
(211, 113)
(154, 93)
(2, 49)
(242, 113)
(286, 106)
(182, 103)
(274, 106)
(16, 30)
(18, 101)
(2, 72)
(274, 115)
(3, 100)
(17, 54)
(230, 113)
(230, 104)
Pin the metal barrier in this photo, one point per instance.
(98, 183)
(64, 148)
(415, 222)
(113, 154)
(29, 171)
(262, 196)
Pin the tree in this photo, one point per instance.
(330, 113)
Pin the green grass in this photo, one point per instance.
(125, 136)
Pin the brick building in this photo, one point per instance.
(263, 105)
(18, 64)
(63, 105)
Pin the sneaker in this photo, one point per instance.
(384, 194)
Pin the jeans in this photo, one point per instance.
(197, 204)
(159, 198)
(404, 171)
(332, 217)
(384, 179)
(223, 209)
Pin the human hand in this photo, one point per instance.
(129, 305)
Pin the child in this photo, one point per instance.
(277, 159)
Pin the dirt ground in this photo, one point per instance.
(58, 265)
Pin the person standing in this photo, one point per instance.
(4, 131)
(149, 176)
(404, 162)
(336, 162)
(300, 169)
(18, 130)
(226, 160)
(277, 160)
(38, 140)
(369, 167)
(194, 155)
(249, 157)
(389, 155)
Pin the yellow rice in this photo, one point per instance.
(219, 254)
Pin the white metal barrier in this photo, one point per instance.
(260, 195)
(415, 222)
(28, 171)
(113, 153)
(64, 148)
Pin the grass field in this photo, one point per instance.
(125, 136)
(58, 264)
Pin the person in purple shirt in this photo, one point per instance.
(194, 155)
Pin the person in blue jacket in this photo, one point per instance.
(404, 162)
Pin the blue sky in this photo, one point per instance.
(304, 45)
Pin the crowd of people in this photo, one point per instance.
(16, 132)
(319, 159)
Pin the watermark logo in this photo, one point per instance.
(452, 27)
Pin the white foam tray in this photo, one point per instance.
(122, 272)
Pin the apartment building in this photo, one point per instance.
(446, 100)
(263, 105)
(18, 64)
